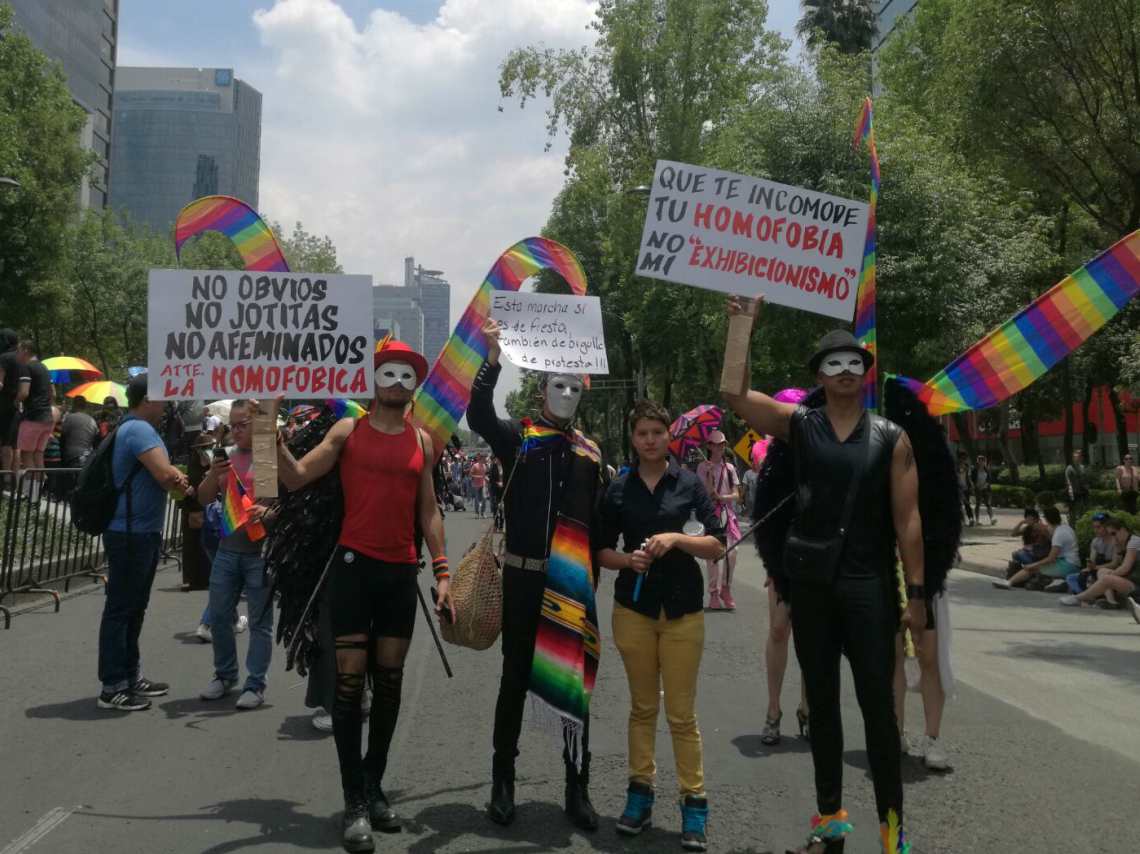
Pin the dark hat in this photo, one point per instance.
(136, 391)
(833, 342)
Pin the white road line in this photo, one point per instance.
(47, 823)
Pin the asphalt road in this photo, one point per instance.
(1042, 738)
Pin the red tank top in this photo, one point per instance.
(380, 473)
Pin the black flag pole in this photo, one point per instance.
(434, 636)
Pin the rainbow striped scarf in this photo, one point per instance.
(568, 645)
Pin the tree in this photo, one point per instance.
(306, 252)
(40, 127)
(848, 25)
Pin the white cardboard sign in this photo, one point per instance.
(748, 236)
(554, 333)
(233, 333)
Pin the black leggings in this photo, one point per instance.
(858, 617)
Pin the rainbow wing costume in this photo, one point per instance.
(239, 222)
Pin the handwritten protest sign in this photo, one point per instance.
(551, 332)
(228, 333)
(747, 236)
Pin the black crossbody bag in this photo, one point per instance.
(815, 560)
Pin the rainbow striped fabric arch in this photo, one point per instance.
(442, 399)
(237, 221)
(1028, 345)
(865, 301)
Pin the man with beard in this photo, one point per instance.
(551, 474)
(856, 496)
(386, 474)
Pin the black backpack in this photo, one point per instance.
(95, 497)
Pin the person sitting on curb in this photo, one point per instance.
(1102, 552)
(1119, 582)
(1035, 539)
(1063, 558)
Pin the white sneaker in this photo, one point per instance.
(1058, 586)
(204, 634)
(250, 699)
(241, 625)
(1071, 601)
(1002, 584)
(915, 746)
(934, 757)
(1135, 606)
(218, 688)
(322, 720)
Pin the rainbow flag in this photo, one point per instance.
(443, 398)
(1028, 345)
(236, 502)
(346, 408)
(237, 221)
(865, 301)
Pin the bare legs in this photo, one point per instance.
(933, 697)
(776, 652)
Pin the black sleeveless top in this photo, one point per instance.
(830, 468)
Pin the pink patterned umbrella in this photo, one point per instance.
(692, 429)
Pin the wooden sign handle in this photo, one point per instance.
(265, 450)
(736, 372)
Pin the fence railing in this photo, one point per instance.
(41, 551)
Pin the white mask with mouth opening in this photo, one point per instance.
(563, 394)
(396, 373)
(850, 361)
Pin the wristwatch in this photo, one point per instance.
(915, 591)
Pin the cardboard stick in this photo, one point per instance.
(737, 355)
(265, 450)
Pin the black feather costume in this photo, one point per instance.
(937, 490)
(297, 550)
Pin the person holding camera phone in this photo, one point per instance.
(856, 496)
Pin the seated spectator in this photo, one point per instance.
(1117, 582)
(1035, 541)
(1062, 560)
(1102, 552)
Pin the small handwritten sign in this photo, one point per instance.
(551, 332)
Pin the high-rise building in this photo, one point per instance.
(888, 15)
(82, 35)
(434, 295)
(397, 310)
(181, 133)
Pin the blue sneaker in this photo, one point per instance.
(638, 813)
(694, 818)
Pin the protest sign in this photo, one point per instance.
(228, 333)
(748, 236)
(551, 332)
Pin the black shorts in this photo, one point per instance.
(371, 597)
(9, 426)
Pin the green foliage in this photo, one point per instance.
(307, 253)
(1084, 525)
(847, 25)
(1011, 496)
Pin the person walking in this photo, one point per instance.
(723, 486)
(982, 482)
(1077, 487)
(479, 485)
(238, 568)
(857, 496)
(385, 468)
(1127, 484)
(132, 542)
(550, 632)
(965, 487)
(658, 621)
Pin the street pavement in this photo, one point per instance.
(1042, 736)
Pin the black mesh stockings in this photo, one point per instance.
(387, 680)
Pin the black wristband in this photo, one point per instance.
(915, 591)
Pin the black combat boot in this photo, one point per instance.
(578, 807)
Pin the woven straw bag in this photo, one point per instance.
(477, 594)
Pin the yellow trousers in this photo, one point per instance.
(662, 653)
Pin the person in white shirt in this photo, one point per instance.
(1063, 558)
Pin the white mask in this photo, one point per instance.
(393, 373)
(563, 394)
(849, 361)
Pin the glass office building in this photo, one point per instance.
(397, 310)
(181, 133)
(81, 35)
(888, 15)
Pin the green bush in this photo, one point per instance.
(1106, 498)
(1011, 496)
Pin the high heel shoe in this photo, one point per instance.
(771, 733)
(802, 719)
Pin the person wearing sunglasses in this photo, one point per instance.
(856, 496)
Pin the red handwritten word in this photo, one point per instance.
(794, 234)
(806, 277)
(291, 379)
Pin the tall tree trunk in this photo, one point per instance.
(1003, 442)
(1067, 400)
(1088, 429)
(1121, 422)
(962, 423)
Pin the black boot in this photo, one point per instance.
(357, 836)
(578, 807)
(501, 810)
(380, 812)
(820, 846)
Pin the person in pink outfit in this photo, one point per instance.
(723, 484)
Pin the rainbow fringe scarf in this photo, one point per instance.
(443, 398)
(568, 645)
(865, 301)
(239, 222)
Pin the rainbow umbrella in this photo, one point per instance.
(97, 392)
(692, 429)
(68, 369)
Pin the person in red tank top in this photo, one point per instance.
(385, 467)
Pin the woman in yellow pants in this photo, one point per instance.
(666, 521)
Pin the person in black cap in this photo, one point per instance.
(856, 487)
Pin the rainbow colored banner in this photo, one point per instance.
(1028, 345)
(443, 398)
(865, 301)
(235, 509)
(237, 221)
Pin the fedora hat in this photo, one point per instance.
(833, 342)
(398, 351)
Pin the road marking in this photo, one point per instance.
(47, 823)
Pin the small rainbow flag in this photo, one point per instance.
(865, 320)
(236, 502)
(346, 408)
(1029, 344)
(443, 398)
(237, 221)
